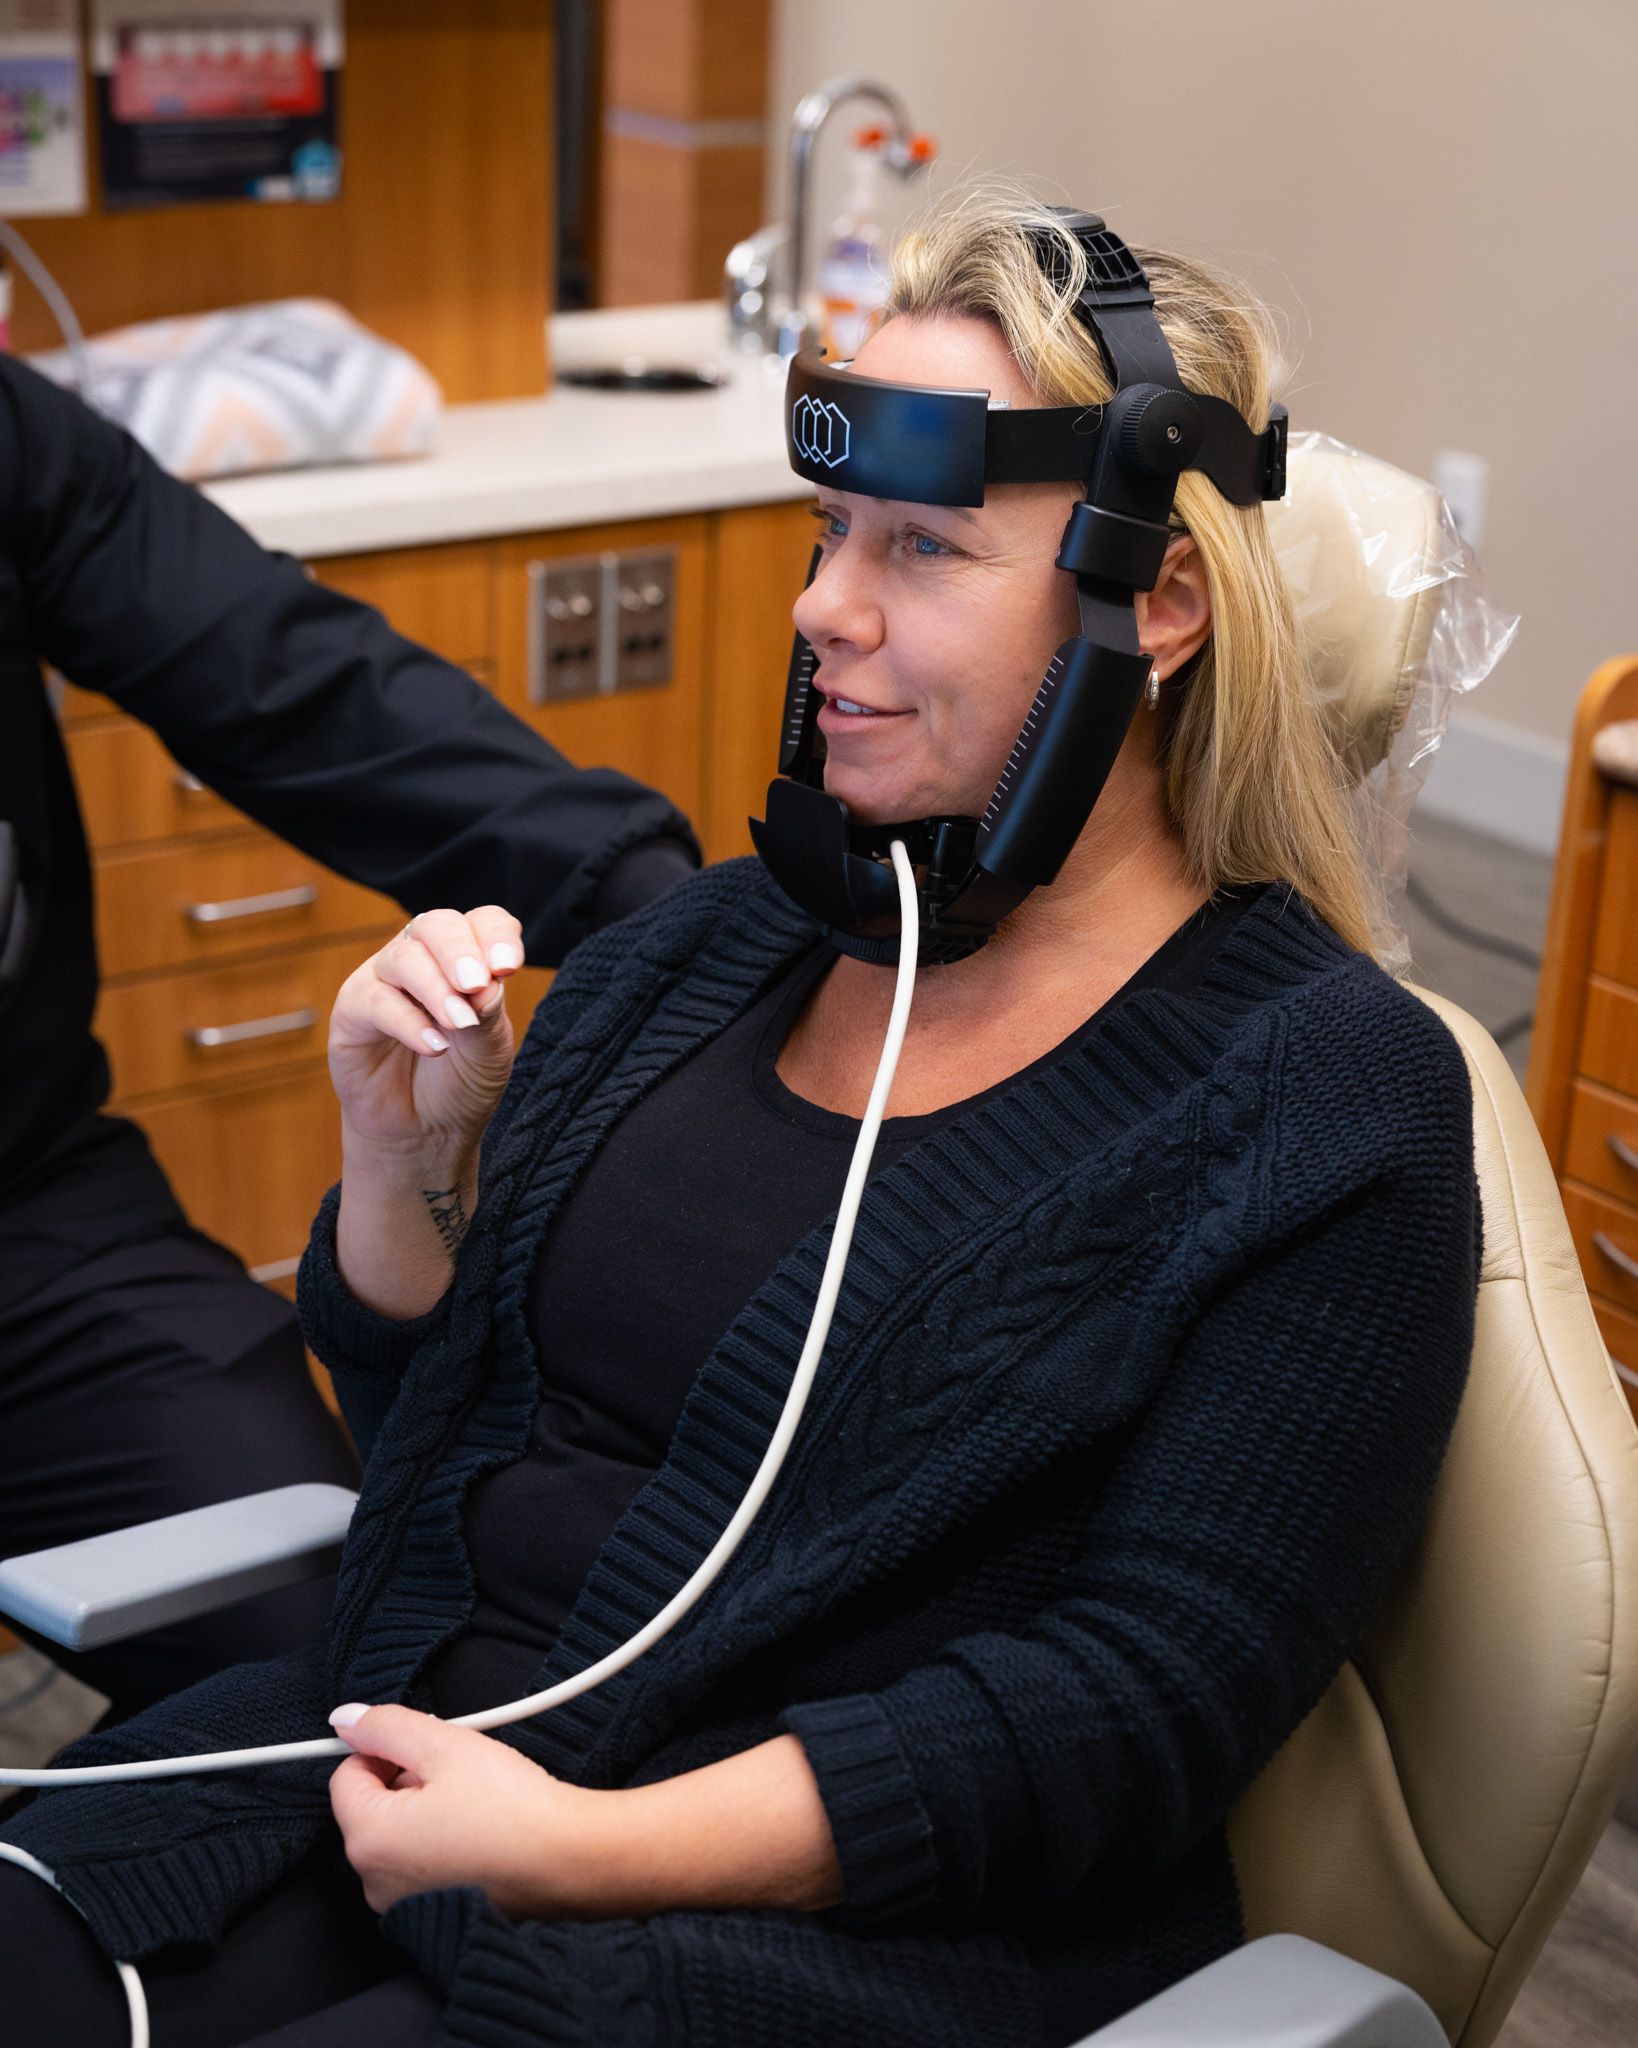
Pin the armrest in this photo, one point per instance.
(106, 1588)
(1282, 1990)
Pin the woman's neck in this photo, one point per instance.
(1054, 962)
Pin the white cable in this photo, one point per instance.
(135, 2003)
(690, 1592)
(61, 310)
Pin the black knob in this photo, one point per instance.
(1160, 432)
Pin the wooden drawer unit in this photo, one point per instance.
(250, 1164)
(1606, 1241)
(1602, 1147)
(1609, 1036)
(131, 790)
(215, 898)
(206, 1024)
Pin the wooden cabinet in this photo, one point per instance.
(222, 947)
(1583, 1081)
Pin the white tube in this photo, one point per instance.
(136, 2004)
(693, 1589)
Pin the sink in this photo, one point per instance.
(638, 375)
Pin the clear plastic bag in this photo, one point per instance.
(1397, 623)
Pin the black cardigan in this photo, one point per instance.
(1137, 1388)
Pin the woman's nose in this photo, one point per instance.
(838, 607)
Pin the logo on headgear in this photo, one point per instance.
(820, 430)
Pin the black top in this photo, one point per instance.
(696, 1196)
(298, 705)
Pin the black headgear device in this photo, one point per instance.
(940, 447)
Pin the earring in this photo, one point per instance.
(1151, 689)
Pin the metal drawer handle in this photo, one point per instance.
(190, 785)
(1613, 1252)
(207, 1035)
(253, 906)
(1623, 1151)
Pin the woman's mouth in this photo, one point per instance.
(846, 714)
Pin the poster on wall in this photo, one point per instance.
(216, 99)
(42, 127)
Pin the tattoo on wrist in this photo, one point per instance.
(448, 1213)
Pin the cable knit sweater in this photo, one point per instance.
(1138, 1384)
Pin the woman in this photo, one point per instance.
(1158, 1317)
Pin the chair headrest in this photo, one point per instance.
(1368, 552)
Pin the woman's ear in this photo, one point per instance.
(1174, 618)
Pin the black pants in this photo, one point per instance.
(305, 1968)
(154, 1377)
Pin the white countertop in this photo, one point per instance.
(573, 458)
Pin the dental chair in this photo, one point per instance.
(1405, 1855)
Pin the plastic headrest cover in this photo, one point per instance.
(1367, 551)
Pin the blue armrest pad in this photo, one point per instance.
(1280, 1992)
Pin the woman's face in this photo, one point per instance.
(933, 624)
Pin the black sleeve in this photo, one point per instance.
(302, 706)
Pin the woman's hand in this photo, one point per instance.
(421, 1050)
(420, 1043)
(424, 1805)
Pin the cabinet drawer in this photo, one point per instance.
(130, 789)
(169, 908)
(251, 1164)
(1606, 1240)
(211, 1023)
(1609, 1036)
(1620, 1333)
(1615, 938)
(1602, 1146)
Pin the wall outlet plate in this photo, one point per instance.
(599, 623)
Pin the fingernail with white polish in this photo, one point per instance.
(470, 973)
(435, 1039)
(348, 1716)
(459, 1012)
(504, 957)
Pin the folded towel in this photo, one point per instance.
(276, 386)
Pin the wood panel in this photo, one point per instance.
(1609, 1039)
(1615, 937)
(250, 1164)
(440, 239)
(655, 734)
(144, 899)
(760, 563)
(687, 60)
(443, 597)
(670, 215)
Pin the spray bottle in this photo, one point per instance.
(853, 270)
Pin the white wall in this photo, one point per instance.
(1439, 199)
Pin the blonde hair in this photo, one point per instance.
(1254, 784)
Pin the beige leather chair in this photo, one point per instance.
(1434, 1813)
(1432, 1816)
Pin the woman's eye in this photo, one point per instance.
(925, 547)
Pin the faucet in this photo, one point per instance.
(748, 279)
